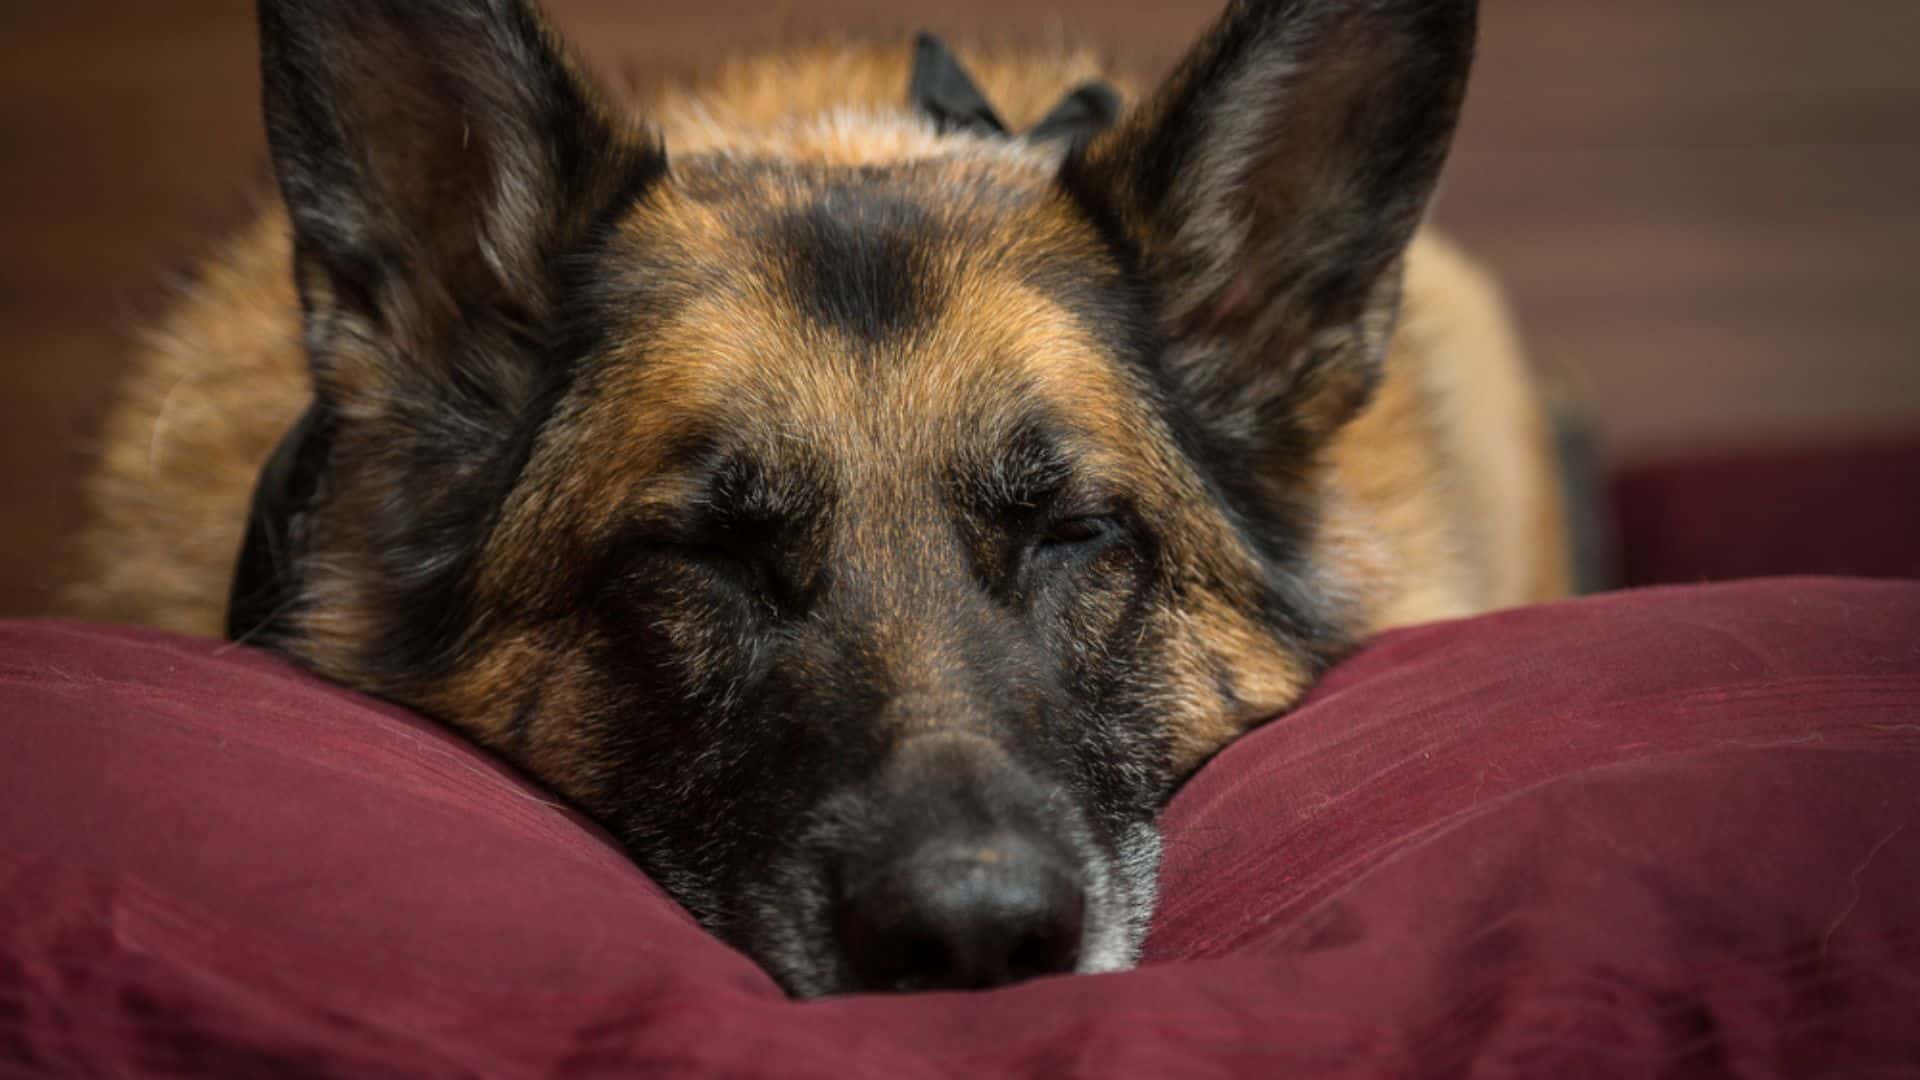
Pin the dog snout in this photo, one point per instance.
(966, 915)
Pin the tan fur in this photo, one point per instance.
(1447, 503)
(1442, 503)
(204, 403)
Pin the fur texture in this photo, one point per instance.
(801, 488)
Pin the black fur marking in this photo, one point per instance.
(1086, 111)
(519, 732)
(855, 260)
(263, 591)
(941, 88)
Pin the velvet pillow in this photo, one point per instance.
(1674, 830)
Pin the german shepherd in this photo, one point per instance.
(868, 515)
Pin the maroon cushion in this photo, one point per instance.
(1675, 829)
(1849, 508)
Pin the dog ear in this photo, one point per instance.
(437, 158)
(446, 170)
(1270, 188)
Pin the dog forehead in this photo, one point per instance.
(913, 309)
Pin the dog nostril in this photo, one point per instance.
(953, 919)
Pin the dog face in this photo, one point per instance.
(869, 527)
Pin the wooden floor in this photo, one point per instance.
(1709, 211)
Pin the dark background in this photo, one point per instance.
(1708, 210)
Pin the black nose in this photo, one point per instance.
(963, 916)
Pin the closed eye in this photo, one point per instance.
(733, 561)
(1082, 529)
(748, 568)
(1073, 554)
(1075, 539)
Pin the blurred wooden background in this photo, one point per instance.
(1710, 211)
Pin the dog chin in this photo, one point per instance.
(1123, 891)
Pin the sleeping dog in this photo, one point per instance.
(866, 481)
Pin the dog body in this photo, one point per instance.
(869, 523)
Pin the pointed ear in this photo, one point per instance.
(1270, 189)
(437, 158)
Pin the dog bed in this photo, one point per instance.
(1671, 830)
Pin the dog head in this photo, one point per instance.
(868, 526)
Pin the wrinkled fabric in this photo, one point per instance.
(1674, 831)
